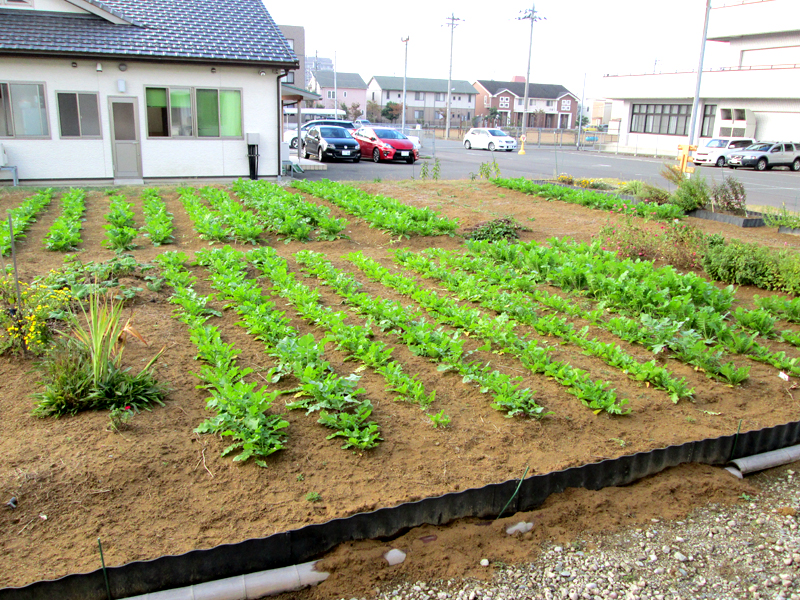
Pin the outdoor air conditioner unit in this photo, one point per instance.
(736, 122)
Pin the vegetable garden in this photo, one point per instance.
(326, 349)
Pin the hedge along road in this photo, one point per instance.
(771, 188)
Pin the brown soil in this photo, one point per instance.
(159, 488)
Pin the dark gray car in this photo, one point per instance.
(327, 141)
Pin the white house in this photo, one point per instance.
(426, 99)
(756, 95)
(129, 90)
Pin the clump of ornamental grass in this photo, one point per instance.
(84, 369)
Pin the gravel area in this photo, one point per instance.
(747, 550)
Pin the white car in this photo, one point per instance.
(716, 151)
(290, 135)
(489, 139)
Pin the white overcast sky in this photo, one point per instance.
(577, 37)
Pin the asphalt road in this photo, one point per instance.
(771, 188)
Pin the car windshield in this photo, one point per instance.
(335, 132)
(497, 133)
(389, 134)
(759, 147)
(717, 144)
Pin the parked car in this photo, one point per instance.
(765, 155)
(359, 123)
(382, 143)
(327, 141)
(716, 151)
(489, 139)
(290, 135)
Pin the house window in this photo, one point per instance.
(331, 95)
(531, 101)
(373, 96)
(551, 103)
(190, 112)
(486, 100)
(459, 98)
(419, 114)
(291, 43)
(23, 112)
(290, 77)
(664, 119)
(78, 115)
(566, 104)
(418, 96)
(345, 94)
(398, 95)
(709, 115)
(439, 98)
(16, 2)
(504, 101)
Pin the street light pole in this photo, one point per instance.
(452, 25)
(405, 71)
(528, 14)
(696, 101)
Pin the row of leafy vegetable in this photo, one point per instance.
(380, 211)
(22, 217)
(591, 199)
(658, 308)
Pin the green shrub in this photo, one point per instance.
(781, 218)
(632, 188)
(751, 264)
(677, 243)
(692, 194)
(673, 174)
(654, 194)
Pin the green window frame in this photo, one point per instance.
(187, 112)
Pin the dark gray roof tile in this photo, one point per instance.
(223, 30)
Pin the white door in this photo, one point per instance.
(126, 148)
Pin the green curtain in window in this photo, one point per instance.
(207, 113)
(156, 97)
(230, 111)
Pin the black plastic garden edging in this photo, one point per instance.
(313, 541)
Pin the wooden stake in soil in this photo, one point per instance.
(18, 313)
(105, 573)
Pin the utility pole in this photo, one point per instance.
(405, 71)
(453, 23)
(532, 16)
(335, 90)
(580, 113)
(696, 101)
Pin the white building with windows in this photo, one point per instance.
(126, 90)
(755, 95)
(426, 99)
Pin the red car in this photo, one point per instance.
(382, 143)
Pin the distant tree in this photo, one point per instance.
(373, 110)
(354, 111)
(392, 111)
(493, 116)
(343, 107)
(584, 121)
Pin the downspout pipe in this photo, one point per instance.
(280, 121)
(246, 587)
(758, 462)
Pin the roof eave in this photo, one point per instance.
(150, 58)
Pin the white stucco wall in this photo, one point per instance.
(54, 158)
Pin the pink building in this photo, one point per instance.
(349, 89)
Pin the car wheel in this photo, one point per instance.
(357, 159)
(306, 155)
(796, 164)
(762, 165)
(467, 145)
(293, 143)
(509, 149)
(410, 160)
(320, 155)
(491, 146)
(376, 155)
(721, 161)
